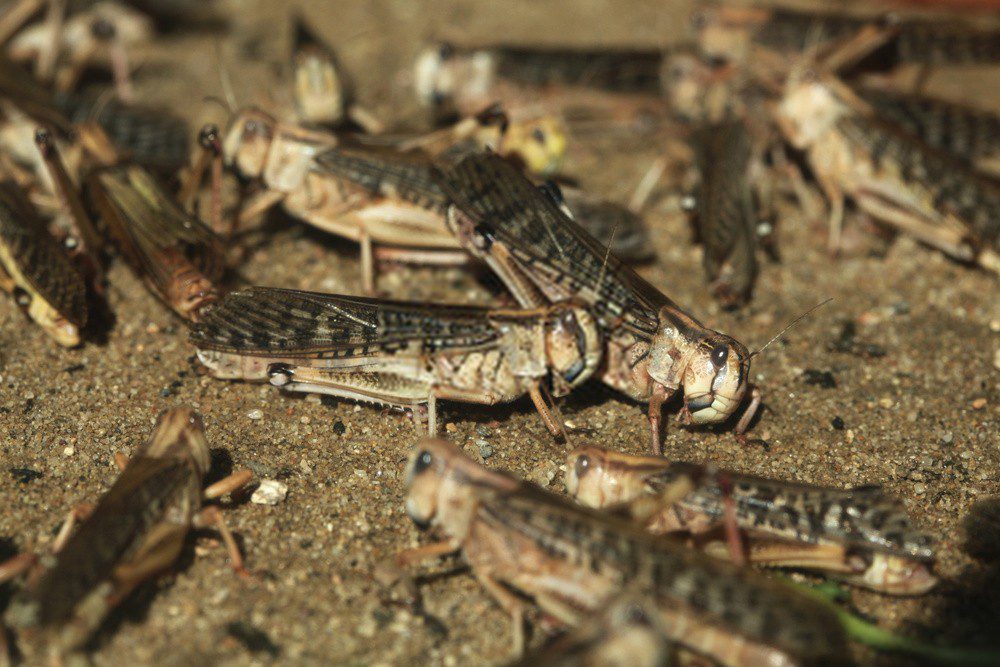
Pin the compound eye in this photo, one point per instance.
(719, 355)
(538, 135)
(582, 466)
(446, 51)
(423, 462)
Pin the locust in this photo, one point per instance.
(745, 34)
(577, 84)
(65, 43)
(968, 134)
(860, 535)
(178, 256)
(653, 349)
(409, 176)
(376, 191)
(396, 353)
(727, 210)
(135, 532)
(37, 272)
(322, 91)
(573, 561)
(891, 175)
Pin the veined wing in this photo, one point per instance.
(863, 516)
(387, 172)
(547, 243)
(150, 224)
(39, 258)
(264, 321)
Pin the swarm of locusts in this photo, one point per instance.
(645, 559)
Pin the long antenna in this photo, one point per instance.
(227, 83)
(790, 325)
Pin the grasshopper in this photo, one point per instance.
(968, 134)
(284, 158)
(62, 46)
(323, 94)
(409, 177)
(398, 353)
(726, 211)
(743, 33)
(134, 533)
(37, 271)
(889, 174)
(180, 259)
(572, 561)
(860, 535)
(653, 349)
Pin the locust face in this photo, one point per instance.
(425, 475)
(248, 142)
(572, 347)
(809, 108)
(598, 477)
(540, 143)
(715, 379)
(319, 90)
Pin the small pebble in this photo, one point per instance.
(996, 359)
(450, 427)
(270, 492)
(256, 414)
(947, 438)
(485, 448)
(483, 430)
(69, 450)
(919, 489)
(837, 423)
(979, 403)
(850, 436)
(886, 402)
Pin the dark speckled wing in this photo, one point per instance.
(119, 523)
(39, 257)
(966, 133)
(263, 321)
(863, 517)
(507, 207)
(386, 172)
(676, 577)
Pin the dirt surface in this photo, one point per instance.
(916, 391)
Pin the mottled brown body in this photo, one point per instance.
(653, 348)
(137, 530)
(573, 561)
(891, 175)
(180, 259)
(37, 271)
(861, 535)
(967, 134)
(726, 212)
(396, 353)
(742, 33)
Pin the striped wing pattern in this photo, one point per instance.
(509, 207)
(41, 259)
(261, 321)
(387, 172)
(150, 224)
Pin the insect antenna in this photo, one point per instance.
(790, 325)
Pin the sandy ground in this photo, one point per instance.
(908, 415)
